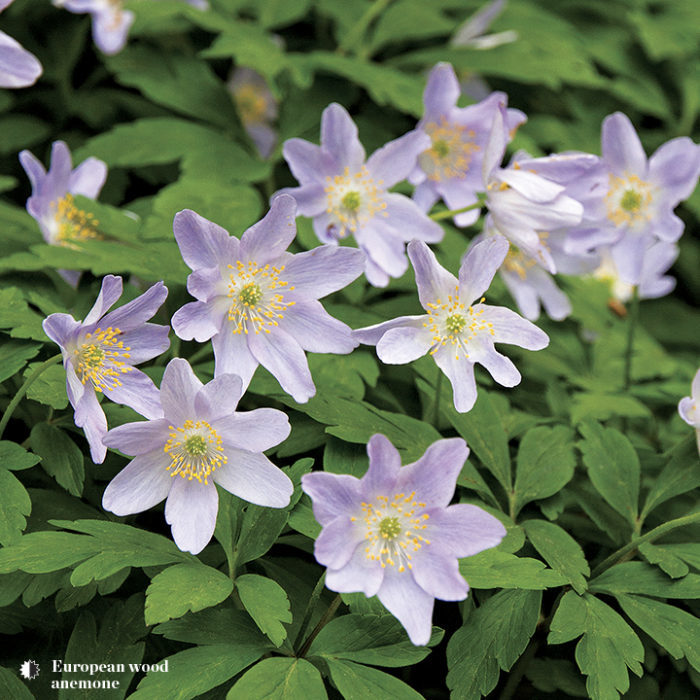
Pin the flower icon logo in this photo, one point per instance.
(29, 670)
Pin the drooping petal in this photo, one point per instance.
(284, 358)
(434, 476)
(195, 321)
(441, 91)
(110, 291)
(323, 270)
(437, 573)
(218, 398)
(316, 330)
(432, 279)
(91, 418)
(479, 267)
(61, 328)
(622, 149)
(464, 529)
(254, 478)
(371, 335)
(500, 367)
(202, 243)
(256, 431)
(401, 345)
(137, 391)
(394, 161)
(139, 438)
(87, 179)
(409, 221)
(332, 495)
(271, 236)
(191, 511)
(337, 542)
(339, 138)
(232, 355)
(142, 484)
(460, 372)
(359, 574)
(384, 467)
(139, 310)
(409, 603)
(509, 327)
(177, 391)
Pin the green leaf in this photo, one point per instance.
(12, 687)
(613, 467)
(192, 672)
(15, 458)
(184, 587)
(18, 318)
(357, 682)
(551, 675)
(677, 631)
(560, 550)
(493, 637)
(280, 679)
(674, 559)
(16, 504)
(607, 649)
(50, 387)
(267, 603)
(545, 464)
(638, 577)
(14, 355)
(61, 457)
(370, 639)
(493, 568)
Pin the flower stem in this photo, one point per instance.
(625, 552)
(310, 607)
(360, 28)
(632, 325)
(327, 616)
(23, 390)
(449, 213)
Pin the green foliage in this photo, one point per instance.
(267, 603)
(280, 679)
(60, 456)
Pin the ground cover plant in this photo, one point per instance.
(349, 349)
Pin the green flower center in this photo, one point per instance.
(631, 200)
(441, 148)
(455, 323)
(196, 446)
(351, 201)
(390, 528)
(92, 356)
(251, 294)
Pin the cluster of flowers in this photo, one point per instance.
(391, 533)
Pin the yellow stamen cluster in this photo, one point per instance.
(394, 527)
(256, 302)
(452, 322)
(352, 200)
(251, 103)
(73, 224)
(451, 151)
(100, 359)
(627, 200)
(195, 449)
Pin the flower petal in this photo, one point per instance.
(18, 67)
(256, 431)
(339, 138)
(110, 291)
(622, 149)
(464, 529)
(177, 391)
(271, 236)
(191, 511)
(137, 391)
(195, 321)
(432, 279)
(360, 574)
(401, 345)
(394, 161)
(311, 199)
(509, 327)
(332, 495)
(479, 267)
(316, 330)
(460, 372)
(441, 91)
(61, 328)
(323, 270)
(438, 574)
(409, 603)
(384, 467)
(88, 178)
(91, 418)
(337, 543)
(218, 398)
(146, 342)
(138, 438)
(371, 335)
(674, 167)
(33, 167)
(254, 478)
(409, 221)
(202, 243)
(232, 355)
(688, 411)
(500, 367)
(139, 310)
(306, 160)
(142, 484)
(110, 29)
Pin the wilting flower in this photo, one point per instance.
(450, 169)
(201, 438)
(256, 106)
(689, 407)
(523, 205)
(110, 21)
(347, 196)
(459, 329)
(18, 67)
(99, 354)
(640, 195)
(258, 303)
(393, 534)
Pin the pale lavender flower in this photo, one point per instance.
(256, 106)
(639, 197)
(459, 329)
(347, 196)
(257, 302)
(18, 67)
(201, 438)
(524, 205)
(99, 354)
(110, 21)
(472, 32)
(450, 169)
(689, 407)
(393, 534)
